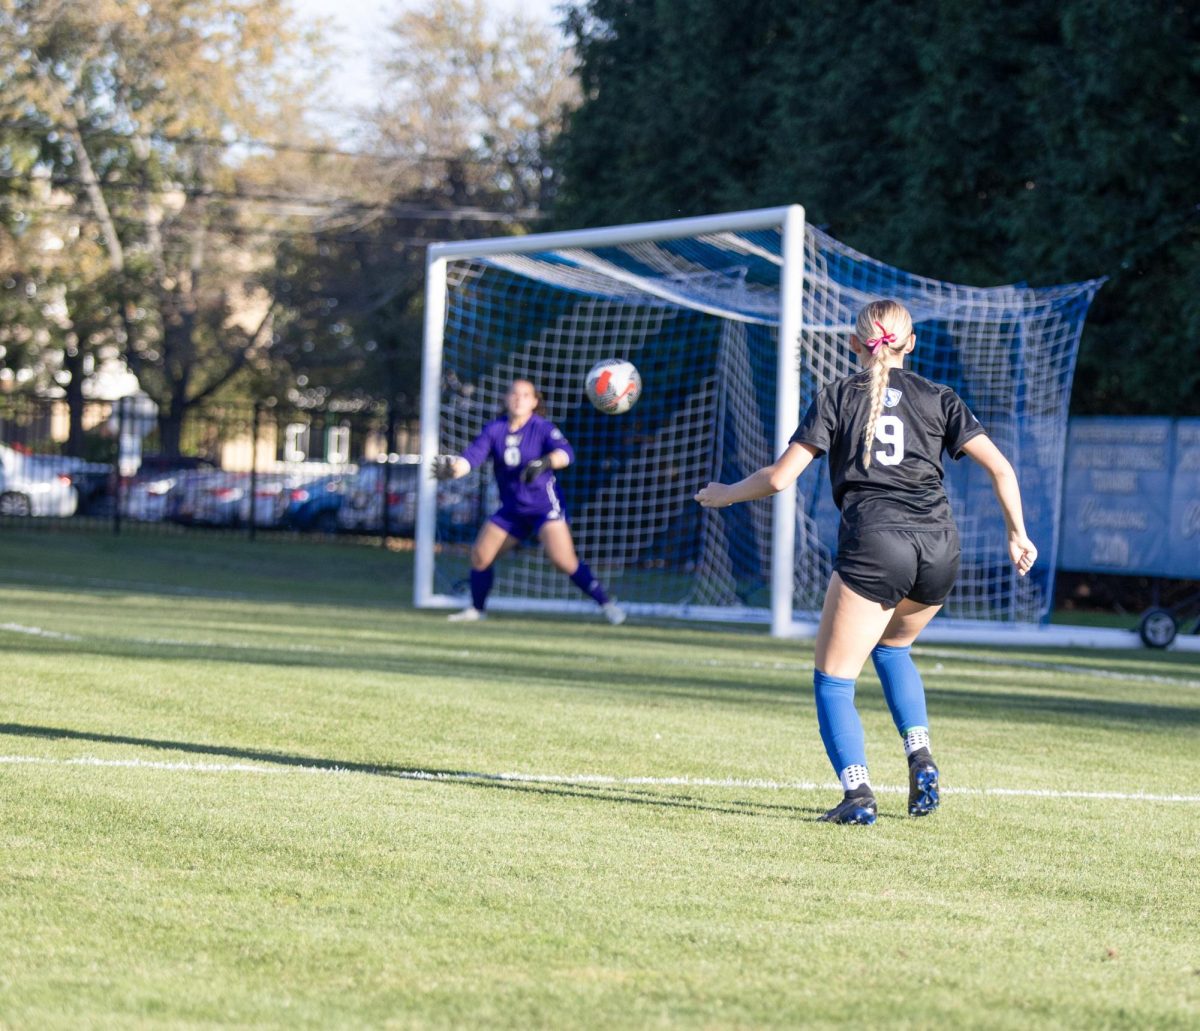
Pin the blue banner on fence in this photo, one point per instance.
(1130, 497)
(1183, 538)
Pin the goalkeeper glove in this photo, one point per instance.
(444, 467)
(534, 469)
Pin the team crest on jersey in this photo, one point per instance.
(891, 397)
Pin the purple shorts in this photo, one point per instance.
(523, 525)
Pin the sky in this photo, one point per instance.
(358, 26)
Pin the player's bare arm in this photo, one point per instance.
(558, 459)
(1004, 483)
(768, 480)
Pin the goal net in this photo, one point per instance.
(735, 323)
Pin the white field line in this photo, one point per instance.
(174, 642)
(581, 779)
(37, 631)
(36, 578)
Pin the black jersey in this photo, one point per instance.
(903, 485)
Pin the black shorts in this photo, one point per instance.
(888, 565)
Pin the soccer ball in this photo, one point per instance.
(613, 385)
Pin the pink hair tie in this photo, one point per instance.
(875, 343)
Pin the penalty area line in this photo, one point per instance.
(582, 779)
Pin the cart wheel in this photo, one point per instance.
(1157, 628)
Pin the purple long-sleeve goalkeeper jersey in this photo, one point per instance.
(511, 451)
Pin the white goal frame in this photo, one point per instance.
(790, 220)
(787, 388)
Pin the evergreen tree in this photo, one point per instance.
(967, 140)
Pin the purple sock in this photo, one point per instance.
(586, 582)
(481, 585)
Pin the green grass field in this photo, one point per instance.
(246, 784)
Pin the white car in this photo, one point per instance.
(34, 485)
(147, 499)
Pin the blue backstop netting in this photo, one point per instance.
(700, 317)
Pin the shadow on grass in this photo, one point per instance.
(503, 659)
(567, 788)
(494, 661)
(500, 659)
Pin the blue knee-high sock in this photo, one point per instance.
(902, 686)
(584, 579)
(841, 729)
(481, 585)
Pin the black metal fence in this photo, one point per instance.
(247, 469)
(250, 469)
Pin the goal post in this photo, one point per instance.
(787, 405)
(735, 322)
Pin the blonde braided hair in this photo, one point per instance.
(880, 327)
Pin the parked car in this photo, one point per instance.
(217, 498)
(148, 496)
(92, 482)
(313, 504)
(362, 505)
(267, 488)
(35, 485)
(460, 508)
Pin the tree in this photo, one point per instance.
(138, 112)
(457, 149)
(350, 319)
(476, 98)
(971, 141)
(674, 111)
(23, 328)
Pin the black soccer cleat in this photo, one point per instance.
(923, 795)
(857, 806)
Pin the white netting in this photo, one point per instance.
(699, 317)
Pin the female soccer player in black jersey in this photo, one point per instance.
(884, 430)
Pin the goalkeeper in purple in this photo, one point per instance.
(885, 430)
(526, 450)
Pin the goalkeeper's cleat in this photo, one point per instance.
(613, 613)
(858, 806)
(468, 615)
(923, 795)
